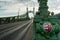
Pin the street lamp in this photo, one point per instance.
(18, 14)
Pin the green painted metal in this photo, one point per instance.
(0, 20)
(15, 18)
(42, 18)
(27, 17)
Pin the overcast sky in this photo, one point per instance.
(11, 7)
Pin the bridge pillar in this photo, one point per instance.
(27, 17)
(45, 26)
(34, 11)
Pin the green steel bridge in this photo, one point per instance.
(44, 25)
(16, 27)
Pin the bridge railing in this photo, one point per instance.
(12, 19)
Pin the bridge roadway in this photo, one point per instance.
(16, 31)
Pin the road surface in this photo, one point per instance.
(17, 31)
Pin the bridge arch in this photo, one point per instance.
(30, 13)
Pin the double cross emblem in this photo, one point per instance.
(47, 27)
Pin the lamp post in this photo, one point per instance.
(18, 14)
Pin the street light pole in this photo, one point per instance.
(18, 14)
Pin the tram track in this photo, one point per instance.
(23, 33)
(9, 31)
(7, 26)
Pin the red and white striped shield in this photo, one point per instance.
(47, 27)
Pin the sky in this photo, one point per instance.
(11, 7)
